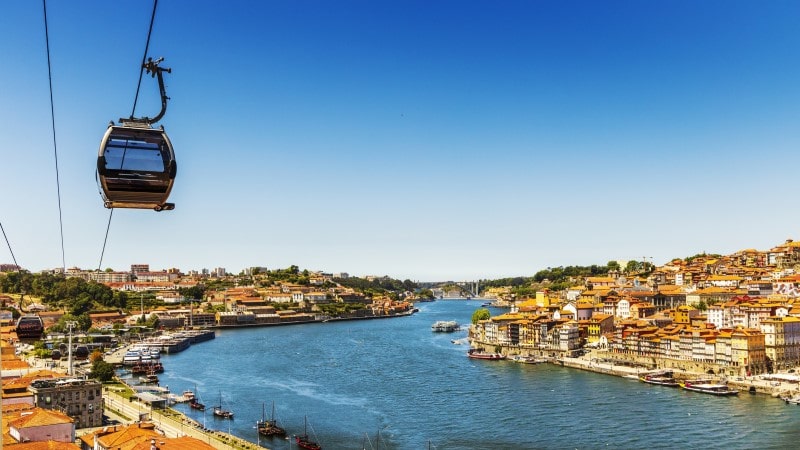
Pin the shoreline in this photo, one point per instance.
(761, 384)
(300, 322)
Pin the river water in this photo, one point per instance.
(393, 384)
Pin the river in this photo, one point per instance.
(394, 384)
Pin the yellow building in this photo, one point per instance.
(782, 341)
(543, 298)
(748, 350)
(684, 314)
(599, 324)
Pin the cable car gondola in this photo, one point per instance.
(136, 165)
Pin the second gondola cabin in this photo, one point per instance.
(136, 167)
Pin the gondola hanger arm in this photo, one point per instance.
(152, 67)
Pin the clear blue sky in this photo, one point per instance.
(416, 139)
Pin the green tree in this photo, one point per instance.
(195, 292)
(120, 299)
(480, 314)
(409, 285)
(81, 305)
(151, 322)
(425, 293)
(102, 371)
(83, 321)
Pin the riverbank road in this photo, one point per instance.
(601, 366)
(169, 422)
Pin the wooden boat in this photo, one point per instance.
(477, 354)
(791, 400)
(220, 412)
(269, 427)
(661, 379)
(147, 367)
(194, 400)
(708, 388)
(303, 441)
(149, 378)
(194, 404)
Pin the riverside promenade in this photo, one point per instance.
(169, 422)
(775, 385)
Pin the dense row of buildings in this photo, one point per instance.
(279, 302)
(736, 314)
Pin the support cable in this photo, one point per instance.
(133, 112)
(103, 251)
(55, 147)
(9, 246)
(144, 57)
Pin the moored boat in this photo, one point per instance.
(194, 400)
(148, 367)
(269, 427)
(149, 379)
(303, 441)
(790, 400)
(132, 357)
(661, 379)
(221, 412)
(708, 388)
(477, 354)
(195, 404)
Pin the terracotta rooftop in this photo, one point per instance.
(138, 437)
(39, 417)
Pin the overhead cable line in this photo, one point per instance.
(144, 57)
(102, 252)
(55, 147)
(133, 112)
(9, 246)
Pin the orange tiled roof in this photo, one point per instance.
(41, 417)
(181, 443)
(599, 279)
(25, 380)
